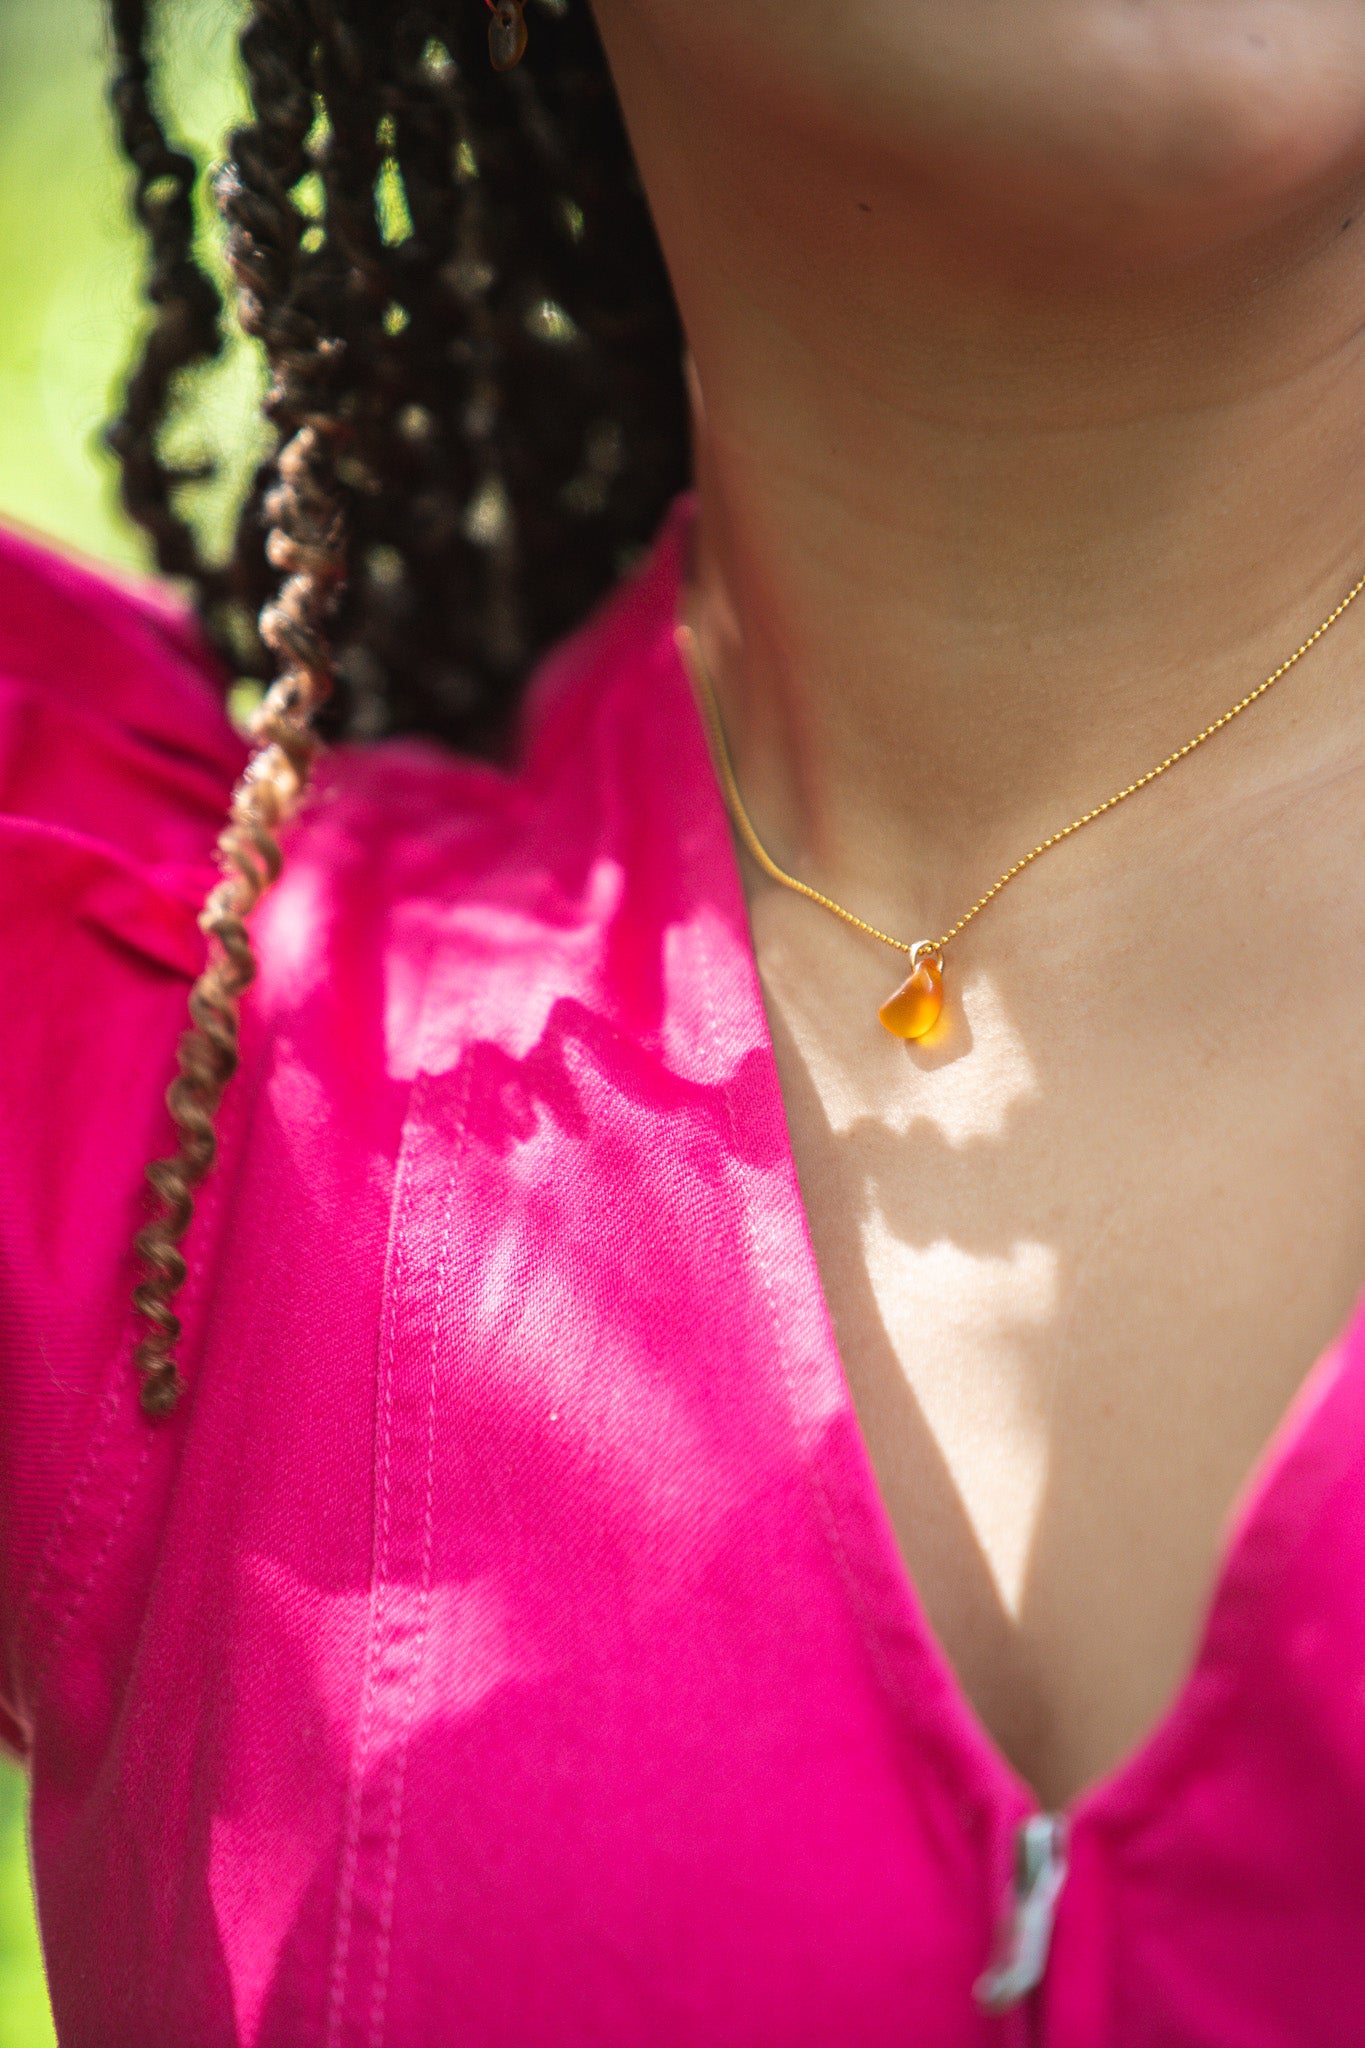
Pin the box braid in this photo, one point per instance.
(476, 399)
(187, 307)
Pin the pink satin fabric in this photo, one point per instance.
(506, 1643)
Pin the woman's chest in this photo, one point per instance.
(1078, 1272)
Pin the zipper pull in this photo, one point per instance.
(1025, 1932)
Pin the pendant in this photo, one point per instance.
(916, 1006)
(507, 34)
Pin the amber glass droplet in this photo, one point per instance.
(917, 1004)
(507, 34)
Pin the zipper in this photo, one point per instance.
(1024, 1935)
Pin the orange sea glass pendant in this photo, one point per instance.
(916, 1006)
(507, 33)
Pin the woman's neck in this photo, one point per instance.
(988, 524)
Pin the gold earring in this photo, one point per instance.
(507, 33)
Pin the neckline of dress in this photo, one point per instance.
(1223, 1662)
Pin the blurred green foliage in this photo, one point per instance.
(24, 2018)
(70, 266)
(71, 262)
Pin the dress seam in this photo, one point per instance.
(379, 1602)
(105, 1516)
(417, 1654)
(380, 1629)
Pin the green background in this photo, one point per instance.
(69, 317)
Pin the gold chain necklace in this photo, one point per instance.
(914, 1008)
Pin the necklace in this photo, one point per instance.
(913, 1009)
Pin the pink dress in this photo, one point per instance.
(506, 1642)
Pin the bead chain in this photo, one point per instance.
(690, 648)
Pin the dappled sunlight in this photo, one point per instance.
(469, 1654)
(541, 947)
(292, 925)
(985, 1409)
(691, 946)
(254, 1919)
(967, 1102)
(562, 1140)
(902, 1084)
(314, 1633)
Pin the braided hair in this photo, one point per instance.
(476, 407)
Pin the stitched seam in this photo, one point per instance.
(388, 1892)
(346, 1878)
(83, 1585)
(121, 1390)
(121, 1385)
(46, 1565)
(378, 1618)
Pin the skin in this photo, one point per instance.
(1030, 406)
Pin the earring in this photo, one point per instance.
(507, 33)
